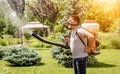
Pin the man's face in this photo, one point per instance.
(71, 23)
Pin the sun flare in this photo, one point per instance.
(107, 0)
(107, 4)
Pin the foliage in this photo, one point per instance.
(29, 16)
(116, 8)
(18, 6)
(27, 36)
(44, 10)
(68, 8)
(5, 22)
(2, 27)
(108, 63)
(109, 40)
(97, 12)
(2, 23)
(7, 27)
(11, 30)
(3, 42)
(36, 43)
(58, 28)
(1, 53)
(114, 26)
(63, 56)
(20, 56)
(9, 41)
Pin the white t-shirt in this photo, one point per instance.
(76, 45)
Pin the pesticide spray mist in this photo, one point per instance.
(8, 12)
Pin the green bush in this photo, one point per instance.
(13, 41)
(47, 45)
(9, 41)
(109, 40)
(1, 53)
(56, 51)
(63, 56)
(27, 36)
(21, 56)
(3, 42)
(37, 44)
(115, 42)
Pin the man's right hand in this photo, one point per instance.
(66, 39)
(87, 49)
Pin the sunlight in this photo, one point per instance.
(108, 1)
(107, 4)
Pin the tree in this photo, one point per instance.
(45, 10)
(2, 27)
(11, 30)
(2, 18)
(103, 16)
(69, 7)
(18, 6)
(117, 13)
(6, 26)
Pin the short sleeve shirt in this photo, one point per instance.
(77, 47)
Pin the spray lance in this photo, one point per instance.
(66, 46)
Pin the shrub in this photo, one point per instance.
(63, 56)
(13, 41)
(21, 56)
(3, 42)
(1, 54)
(35, 43)
(9, 41)
(27, 36)
(47, 45)
(115, 42)
(4, 51)
(55, 51)
(109, 40)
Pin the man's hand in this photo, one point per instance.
(87, 50)
(66, 39)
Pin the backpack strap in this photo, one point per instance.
(81, 39)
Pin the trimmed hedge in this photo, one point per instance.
(20, 56)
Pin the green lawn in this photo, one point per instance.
(109, 63)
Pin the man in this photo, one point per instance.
(79, 51)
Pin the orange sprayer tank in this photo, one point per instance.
(92, 27)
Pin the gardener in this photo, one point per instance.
(79, 51)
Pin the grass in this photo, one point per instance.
(109, 63)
